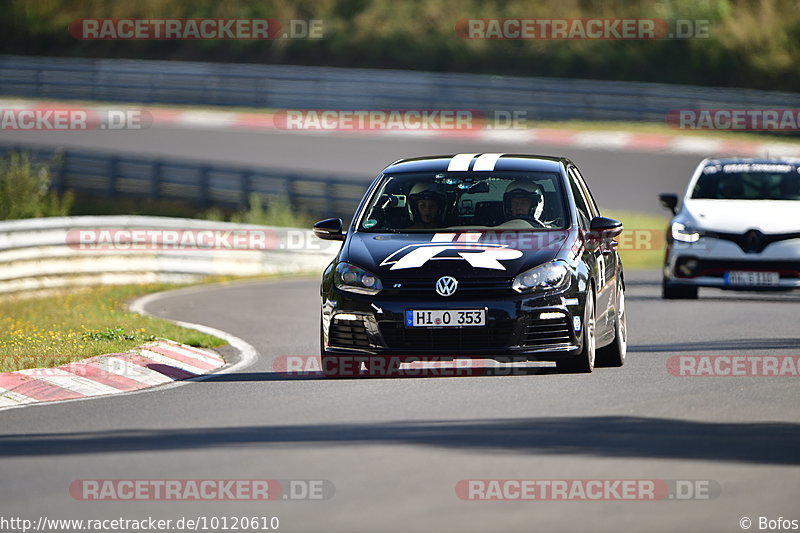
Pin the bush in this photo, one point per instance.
(25, 190)
(270, 210)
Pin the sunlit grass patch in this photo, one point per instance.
(642, 240)
(70, 325)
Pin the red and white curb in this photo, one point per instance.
(155, 363)
(601, 140)
(608, 140)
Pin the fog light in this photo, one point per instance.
(576, 323)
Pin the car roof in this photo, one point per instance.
(756, 160)
(463, 162)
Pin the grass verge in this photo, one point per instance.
(642, 241)
(64, 326)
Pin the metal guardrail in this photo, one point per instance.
(45, 253)
(203, 184)
(296, 87)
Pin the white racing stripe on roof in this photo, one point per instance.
(460, 162)
(486, 162)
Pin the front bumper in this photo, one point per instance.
(706, 262)
(358, 324)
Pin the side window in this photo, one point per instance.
(593, 209)
(580, 201)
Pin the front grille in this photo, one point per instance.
(466, 287)
(753, 241)
(718, 267)
(547, 332)
(397, 336)
(348, 334)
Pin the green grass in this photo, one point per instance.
(63, 326)
(642, 241)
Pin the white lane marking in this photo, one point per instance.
(127, 369)
(67, 380)
(177, 348)
(460, 162)
(207, 119)
(248, 355)
(486, 162)
(166, 360)
(602, 139)
(9, 398)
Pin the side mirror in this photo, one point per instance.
(669, 201)
(608, 227)
(329, 229)
(601, 234)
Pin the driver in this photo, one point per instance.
(426, 206)
(523, 200)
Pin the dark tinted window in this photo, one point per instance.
(748, 181)
(427, 201)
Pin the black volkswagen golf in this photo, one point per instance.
(493, 256)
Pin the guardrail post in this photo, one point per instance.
(113, 170)
(155, 179)
(245, 187)
(204, 192)
(290, 191)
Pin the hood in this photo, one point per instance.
(739, 216)
(467, 254)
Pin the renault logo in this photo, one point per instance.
(754, 241)
(446, 286)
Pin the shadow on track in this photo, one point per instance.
(720, 346)
(604, 436)
(428, 373)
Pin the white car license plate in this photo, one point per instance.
(759, 279)
(444, 318)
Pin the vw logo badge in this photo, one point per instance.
(446, 286)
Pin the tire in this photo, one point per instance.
(614, 354)
(678, 292)
(583, 363)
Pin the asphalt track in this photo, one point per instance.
(619, 179)
(395, 448)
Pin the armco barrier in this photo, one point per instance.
(201, 183)
(299, 87)
(52, 252)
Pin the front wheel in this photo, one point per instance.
(678, 292)
(614, 354)
(584, 361)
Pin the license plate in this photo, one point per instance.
(445, 318)
(760, 279)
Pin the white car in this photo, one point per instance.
(738, 228)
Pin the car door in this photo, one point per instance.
(609, 256)
(604, 257)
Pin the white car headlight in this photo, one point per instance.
(351, 278)
(546, 277)
(684, 233)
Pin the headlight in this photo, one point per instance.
(351, 278)
(684, 233)
(546, 277)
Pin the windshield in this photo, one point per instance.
(426, 202)
(748, 181)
